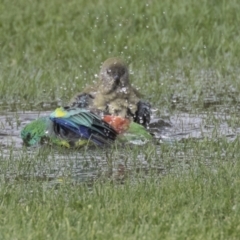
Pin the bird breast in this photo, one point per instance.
(117, 103)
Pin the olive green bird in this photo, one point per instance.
(76, 127)
(113, 94)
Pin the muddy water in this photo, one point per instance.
(59, 165)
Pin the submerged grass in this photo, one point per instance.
(200, 202)
(197, 197)
(184, 55)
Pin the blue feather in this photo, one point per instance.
(80, 130)
(81, 123)
(67, 126)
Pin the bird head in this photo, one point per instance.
(34, 132)
(114, 75)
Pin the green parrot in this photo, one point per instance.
(69, 127)
(77, 127)
(136, 134)
(113, 94)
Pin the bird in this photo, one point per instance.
(69, 127)
(76, 127)
(129, 131)
(114, 95)
(120, 124)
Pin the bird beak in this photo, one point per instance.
(117, 79)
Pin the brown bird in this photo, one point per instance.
(114, 95)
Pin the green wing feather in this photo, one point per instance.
(136, 134)
(74, 117)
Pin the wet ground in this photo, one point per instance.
(57, 165)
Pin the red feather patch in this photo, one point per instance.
(120, 124)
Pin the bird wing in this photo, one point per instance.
(74, 123)
(136, 134)
(81, 100)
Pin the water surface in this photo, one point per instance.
(57, 165)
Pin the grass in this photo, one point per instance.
(184, 57)
(196, 196)
(52, 49)
(200, 202)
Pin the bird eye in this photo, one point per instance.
(109, 71)
(28, 137)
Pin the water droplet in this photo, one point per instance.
(124, 89)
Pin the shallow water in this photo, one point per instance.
(57, 165)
